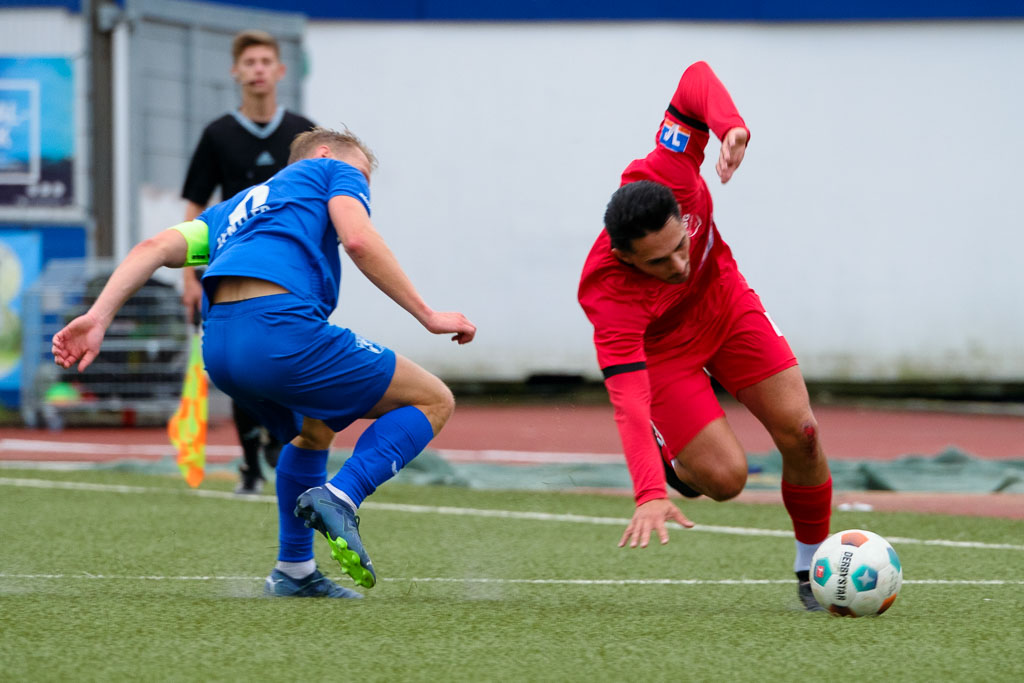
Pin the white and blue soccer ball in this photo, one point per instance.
(856, 573)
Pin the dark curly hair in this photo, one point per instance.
(638, 209)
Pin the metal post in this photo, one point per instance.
(101, 123)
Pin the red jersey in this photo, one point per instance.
(636, 315)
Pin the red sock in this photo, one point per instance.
(810, 508)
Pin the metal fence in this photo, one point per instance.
(137, 377)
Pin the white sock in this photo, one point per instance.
(296, 570)
(804, 553)
(341, 495)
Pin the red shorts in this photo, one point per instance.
(740, 347)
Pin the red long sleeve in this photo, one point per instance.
(699, 105)
(701, 95)
(630, 394)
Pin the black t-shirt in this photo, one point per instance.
(236, 153)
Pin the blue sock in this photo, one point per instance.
(388, 445)
(297, 470)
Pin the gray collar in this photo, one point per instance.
(258, 131)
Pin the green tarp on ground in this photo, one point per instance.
(951, 471)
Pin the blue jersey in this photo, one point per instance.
(280, 231)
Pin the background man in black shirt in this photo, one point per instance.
(240, 149)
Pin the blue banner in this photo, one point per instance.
(37, 143)
(21, 256)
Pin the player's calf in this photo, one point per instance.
(717, 481)
(725, 488)
(713, 462)
(673, 480)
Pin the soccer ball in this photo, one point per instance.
(856, 573)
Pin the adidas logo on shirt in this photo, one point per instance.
(265, 159)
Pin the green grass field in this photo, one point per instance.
(111, 576)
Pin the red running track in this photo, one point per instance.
(848, 432)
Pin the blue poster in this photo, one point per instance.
(20, 263)
(37, 142)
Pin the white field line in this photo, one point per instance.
(48, 465)
(539, 582)
(123, 450)
(470, 512)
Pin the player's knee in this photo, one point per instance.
(800, 442)
(726, 485)
(446, 401)
(440, 406)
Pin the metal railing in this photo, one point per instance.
(137, 377)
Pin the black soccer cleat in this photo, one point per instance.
(803, 590)
(249, 484)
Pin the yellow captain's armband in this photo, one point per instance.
(197, 236)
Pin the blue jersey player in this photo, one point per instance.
(272, 280)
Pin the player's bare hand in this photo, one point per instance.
(651, 517)
(80, 340)
(452, 322)
(734, 146)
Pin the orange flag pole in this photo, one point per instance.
(187, 427)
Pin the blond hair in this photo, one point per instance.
(339, 141)
(247, 39)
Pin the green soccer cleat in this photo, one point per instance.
(340, 525)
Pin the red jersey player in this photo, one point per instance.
(669, 308)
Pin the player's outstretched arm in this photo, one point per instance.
(651, 517)
(80, 339)
(371, 254)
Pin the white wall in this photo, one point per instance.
(876, 211)
(40, 31)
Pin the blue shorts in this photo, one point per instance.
(281, 361)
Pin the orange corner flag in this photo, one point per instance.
(187, 428)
